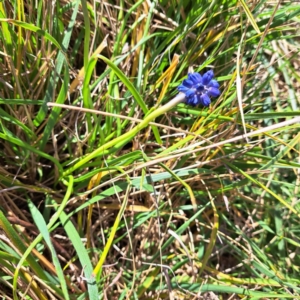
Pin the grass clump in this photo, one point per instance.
(108, 190)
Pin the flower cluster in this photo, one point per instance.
(198, 89)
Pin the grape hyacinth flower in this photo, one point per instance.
(198, 89)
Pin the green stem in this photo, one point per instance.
(124, 138)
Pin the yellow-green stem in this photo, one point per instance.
(128, 135)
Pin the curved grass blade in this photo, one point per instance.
(42, 226)
(126, 82)
(83, 256)
(27, 252)
(24, 145)
(35, 29)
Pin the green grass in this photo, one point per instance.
(111, 191)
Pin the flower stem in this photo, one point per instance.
(127, 136)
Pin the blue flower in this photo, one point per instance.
(198, 89)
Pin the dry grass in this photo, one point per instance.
(185, 207)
